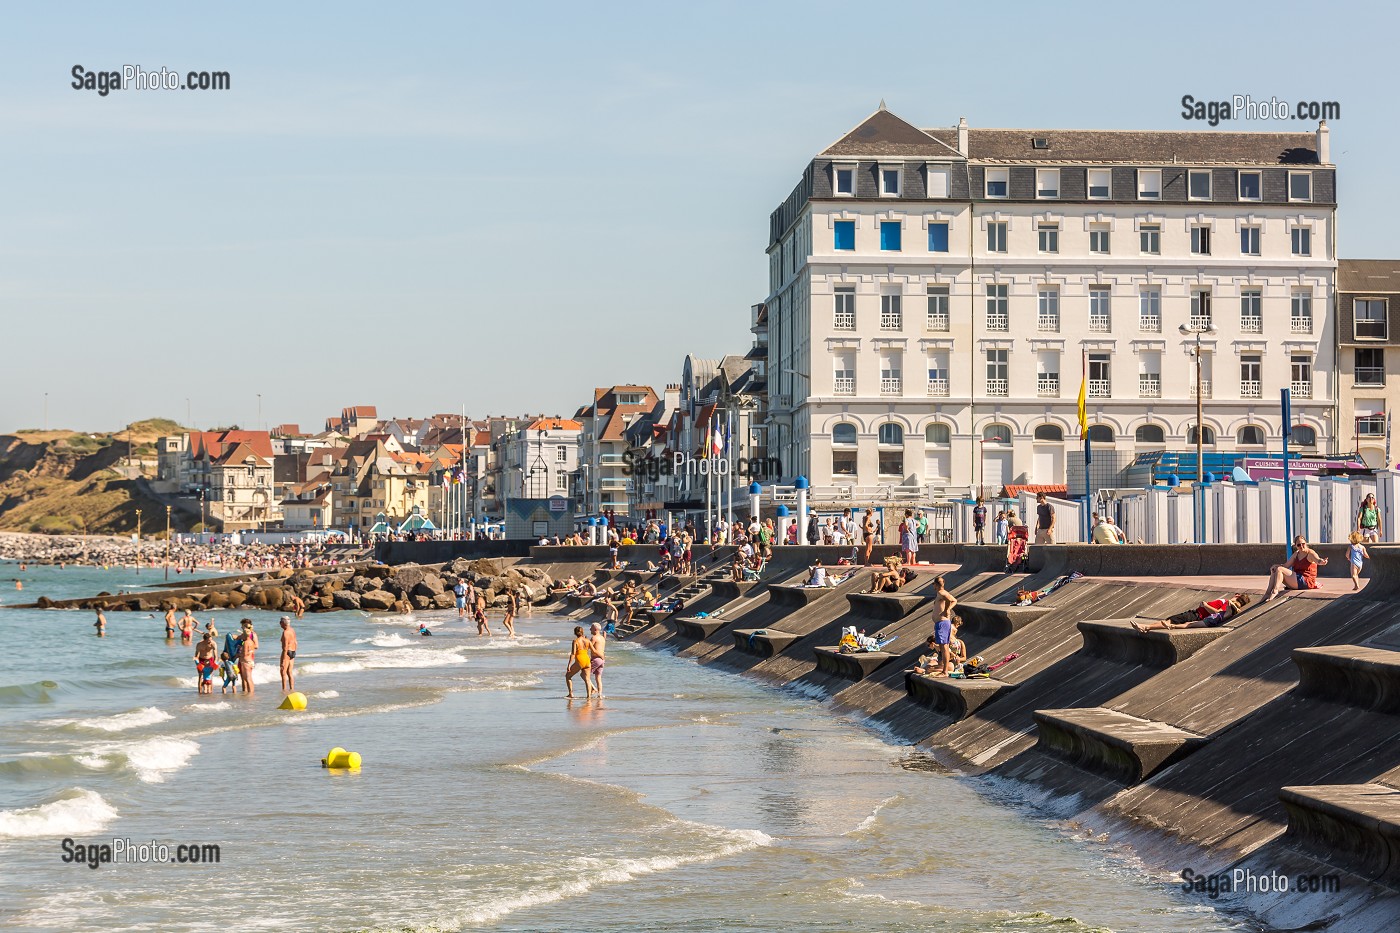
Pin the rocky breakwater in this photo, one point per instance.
(370, 587)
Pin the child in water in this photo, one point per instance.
(423, 629)
(1358, 553)
(229, 672)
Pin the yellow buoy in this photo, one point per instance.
(326, 762)
(340, 758)
(294, 701)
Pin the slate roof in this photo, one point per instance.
(1368, 275)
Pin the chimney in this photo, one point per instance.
(962, 136)
(1324, 146)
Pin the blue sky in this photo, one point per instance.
(501, 206)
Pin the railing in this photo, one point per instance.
(1100, 323)
(1370, 376)
(938, 387)
(996, 388)
(937, 320)
(1149, 385)
(1301, 390)
(1200, 322)
(891, 320)
(1251, 388)
(1100, 388)
(892, 386)
(996, 321)
(1204, 389)
(1048, 388)
(844, 386)
(1302, 324)
(1050, 323)
(1150, 323)
(1251, 324)
(845, 320)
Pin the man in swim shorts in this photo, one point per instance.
(170, 623)
(204, 663)
(598, 646)
(289, 653)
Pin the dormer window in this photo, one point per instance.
(843, 180)
(997, 182)
(1251, 188)
(891, 178)
(1047, 183)
(1099, 183)
(1149, 184)
(1300, 186)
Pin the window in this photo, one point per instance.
(938, 183)
(1100, 377)
(937, 308)
(1149, 434)
(997, 304)
(1101, 434)
(1251, 376)
(1301, 312)
(996, 237)
(845, 180)
(1252, 310)
(1150, 374)
(843, 462)
(845, 373)
(937, 435)
(1099, 180)
(891, 461)
(845, 234)
(1048, 237)
(1098, 238)
(1369, 366)
(1198, 186)
(1207, 435)
(1251, 435)
(1200, 308)
(997, 179)
(1047, 183)
(996, 434)
(1372, 425)
(1049, 432)
(1249, 241)
(938, 238)
(1200, 241)
(561, 481)
(891, 435)
(1300, 186)
(891, 312)
(890, 235)
(889, 182)
(1150, 310)
(844, 435)
(1302, 241)
(1149, 181)
(1301, 380)
(1370, 314)
(561, 454)
(1302, 436)
(892, 374)
(1048, 301)
(1047, 374)
(1150, 239)
(845, 318)
(1100, 310)
(1251, 188)
(996, 375)
(938, 373)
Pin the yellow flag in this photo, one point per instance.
(1083, 387)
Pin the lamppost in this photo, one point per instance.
(1200, 429)
(138, 540)
(167, 542)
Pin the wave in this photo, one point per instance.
(40, 691)
(325, 695)
(501, 682)
(151, 759)
(76, 812)
(44, 763)
(384, 640)
(205, 707)
(869, 821)
(389, 658)
(146, 716)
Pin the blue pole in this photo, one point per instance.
(1088, 531)
(1287, 400)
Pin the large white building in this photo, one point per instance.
(934, 295)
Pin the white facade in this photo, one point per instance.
(537, 461)
(952, 359)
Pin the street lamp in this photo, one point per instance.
(167, 542)
(1200, 430)
(138, 540)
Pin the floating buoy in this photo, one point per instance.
(294, 701)
(340, 758)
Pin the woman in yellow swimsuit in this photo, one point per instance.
(579, 660)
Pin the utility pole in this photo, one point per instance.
(167, 542)
(138, 540)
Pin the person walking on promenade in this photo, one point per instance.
(580, 662)
(909, 538)
(813, 529)
(867, 535)
(1044, 520)
(1300, 573)
(1368, 519)
(1001, 527)
(289, 654)
(1357, 553)
(979, 522)
(598, 648)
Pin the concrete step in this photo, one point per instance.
(698, 629)
(1116, 745)
(1355, 827)
(856, 665)
(763, 643)
(728, 588)
(953, 696)
(1117, 640)
(786, 594)
(884, 606)
(1367, 678)
(994, 620)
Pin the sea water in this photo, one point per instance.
(686, 800)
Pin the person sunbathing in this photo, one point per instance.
(1209, 614)
(892, 578)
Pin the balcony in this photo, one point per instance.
(1100, 324)
(1302, 324)
(1370, 376)
(996, 388)
(937, 321)
(1149, 385)
(1048, 388)
(1300, 390)
(997, 321)
(845, 385)
(1251, 324)
(1201, 322)
(1204, 389)
(892, 385)
(1100, 388)
(938, 387)
(891, 320)
(1050, 323)
(1251, 388)
(845, 320)
(1150, 323)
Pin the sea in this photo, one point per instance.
(688, 799)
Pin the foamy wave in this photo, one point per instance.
(503, 682)
(591, 872)
(329, 667)
(326, 695)
(869, 821)
(386, 659)
(384, 640)
(203, 707)
(503, 642)
(146, 716)
(151, 759)
(78, 813)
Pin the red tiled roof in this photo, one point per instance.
(555, 424)
(1015, 489)
(216, 443)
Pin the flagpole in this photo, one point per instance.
(1084, 433)
(729, 459)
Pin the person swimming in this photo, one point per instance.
(423, 629)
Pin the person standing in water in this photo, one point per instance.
(247, 656)
(289, 653)
(598, 647)
(205, 663)
(170, 624)
(100, 624)
(580, 662)
(482, 626)
(512, 607)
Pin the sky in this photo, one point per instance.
(497, 206)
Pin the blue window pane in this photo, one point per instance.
(844, 183)
(938, 238)
(996, 189)
(889, 235)
(845, 234)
